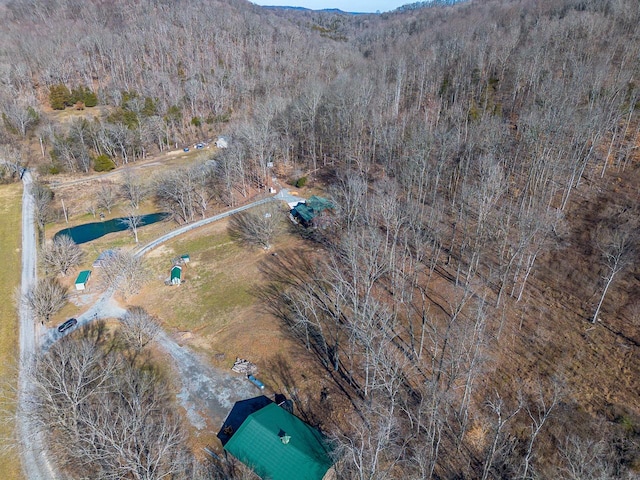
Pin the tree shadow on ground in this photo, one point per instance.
(286, 270)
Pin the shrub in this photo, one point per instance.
(103, 163)
(301, 182)
(49, 169)
(90, 99)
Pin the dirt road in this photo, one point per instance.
(35, 463)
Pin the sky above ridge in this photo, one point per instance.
(364, 6)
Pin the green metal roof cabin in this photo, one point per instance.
(279, 446)
(318, 204)
(307, 211)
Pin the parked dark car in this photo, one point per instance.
(67, 325)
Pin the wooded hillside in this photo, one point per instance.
(477, 297)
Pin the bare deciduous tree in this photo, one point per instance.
(258, 226)
(139, 328)
(43, 196)
(61, 255)
(124, 272)
(19, 114)
(616, 246)
(104, 417)
(46, 298)
(586, 459)
(539, 413)
(106, 197)
(132, 220)
(499, 441)
(132, 190)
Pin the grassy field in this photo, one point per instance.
(10, 224)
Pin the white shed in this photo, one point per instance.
(83, 278)
(176, 275)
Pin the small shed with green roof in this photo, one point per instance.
(83, 278)
(176, 275)
(279, 446)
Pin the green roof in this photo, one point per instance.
(318, 204)
(258, 443)
(303, 212)
(83, 276)
(176, 272)
(312, 207)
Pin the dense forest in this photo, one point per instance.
(477, 297)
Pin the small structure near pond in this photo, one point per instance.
(83, 278)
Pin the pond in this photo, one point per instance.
(90, 231)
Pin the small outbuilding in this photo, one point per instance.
(222, 142)
(176, 275)
(185, 258)
(83, 278)
(279, 446)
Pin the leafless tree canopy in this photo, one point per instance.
(133, 190)
(132, 220)
(139, 328)
(61, 255)
(616, 239)
(106, 197)
(104, 417)
(43, 197)
(186, 193)
(258, 226)
(469, 149)
(124, 272)
(46, 298)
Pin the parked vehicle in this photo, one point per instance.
(72, 322)
(185, 149)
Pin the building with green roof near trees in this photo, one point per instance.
(83, 278)
(305, 212)
(277, 445)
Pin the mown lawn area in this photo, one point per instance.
(10, 237)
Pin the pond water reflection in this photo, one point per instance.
(90, 231)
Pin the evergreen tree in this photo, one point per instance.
(60, 97)
(103, 163)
